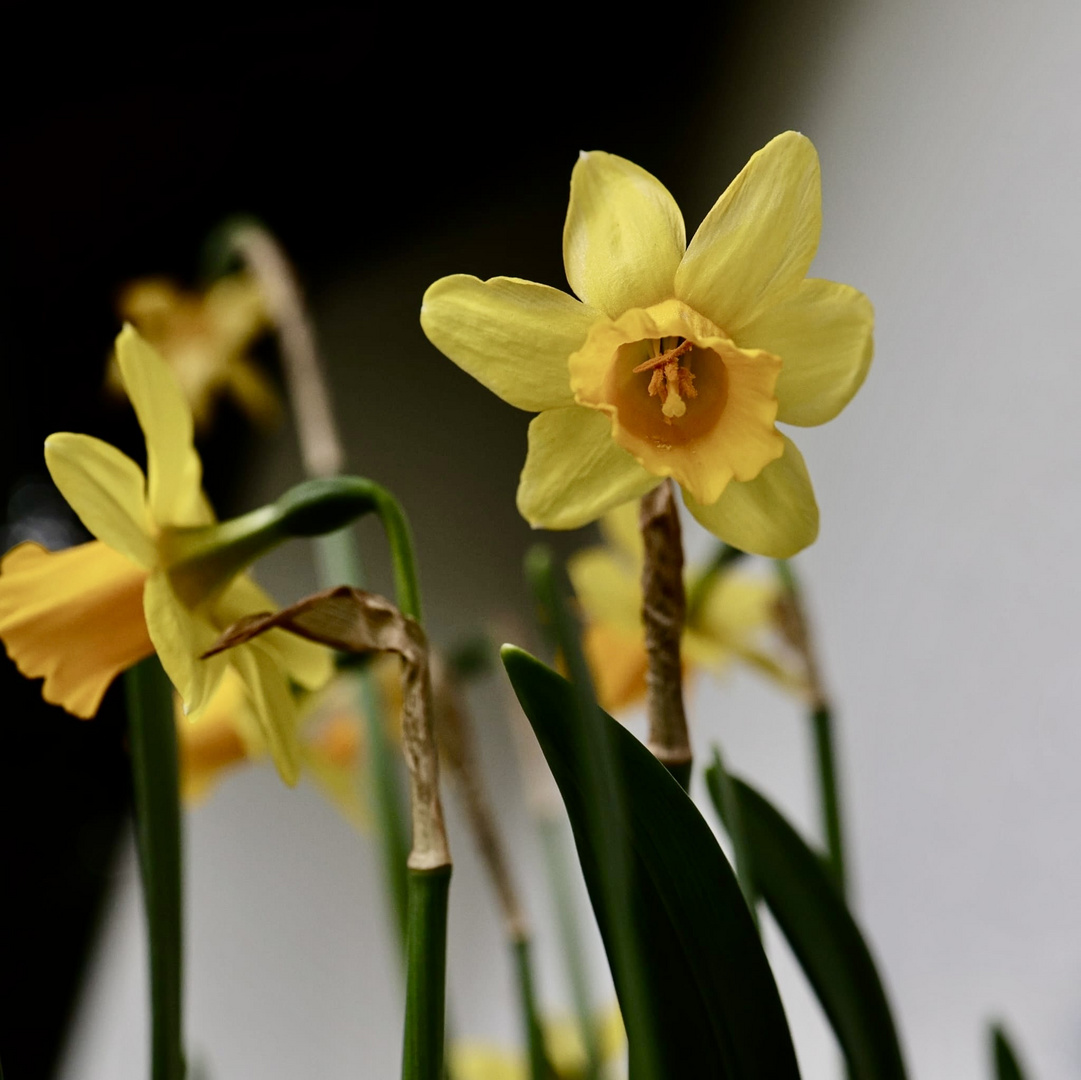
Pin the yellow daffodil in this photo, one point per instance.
(675, 360)
(226, 735)
(161, 575)
(564, 1046)
(732, 620)
(205, 337)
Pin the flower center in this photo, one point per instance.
(670, 381)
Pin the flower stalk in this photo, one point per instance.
(358, 622)
(664, 609)
(454, 732)
(338, 557)
(152, 734)
(797, 629)
(320, 446)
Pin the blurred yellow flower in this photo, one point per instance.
(205, 337)
(563, 1042)
(226, 735)
(161, 575)
(676, 360)
(732, 622)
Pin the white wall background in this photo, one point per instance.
(944, 585)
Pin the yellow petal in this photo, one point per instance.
(756, 244)
(107, 490)
(74, 618)
(253, 392)
(775, 514)
(273, 703)
(624, 235)
(823, 334)
(575, 471)
(623, 534)
(174, 470)
(332, 756)
(736, 609)
(180, 638)
(236, 311)
(608, 589)
(479, 1061)
(310, 664)
(618, 663)
(213, 742)
(512, 336)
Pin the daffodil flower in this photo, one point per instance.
(732, 623)
(161, 576)
(205, 338)
(226, 735)
(676, 360)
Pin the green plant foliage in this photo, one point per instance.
(717, 1010)
(1007, 1065)
(804, 900)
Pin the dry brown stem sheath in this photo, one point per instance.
(796, 628)
(360, 622)
(664, 609)
(320, 444)
(454, 732)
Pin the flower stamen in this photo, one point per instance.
(670, 381)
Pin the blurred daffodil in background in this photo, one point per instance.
(161, 576)
(205, 338)
(564, 1046)
(226, 736)
(733, 620)
(675, 360)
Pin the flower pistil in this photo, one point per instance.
(670, 381)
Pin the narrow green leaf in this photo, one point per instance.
(822, 933)
(718, 1011)
(1007, 1065)
(602, 817)
(557, 865)
(723, 793)
(425, 974)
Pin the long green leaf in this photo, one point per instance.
(603, 797)
(1007, 1065)
(717, 1008)
(822, 933)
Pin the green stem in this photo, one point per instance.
(724, 557)
(340, 563)
(152, 734)
(553, 840)
(425, 988)
(539, 1069)
(822, 720)
(604, 799)
(726, 800)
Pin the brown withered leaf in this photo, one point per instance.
(355, 621)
